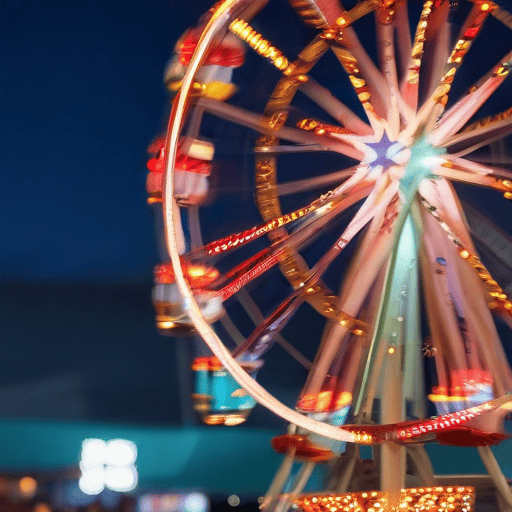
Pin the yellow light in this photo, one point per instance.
(165, 324)
(485, 7)
(344, 398)
(391, 350)
(196, 271)
(446, 398)
(245, 32)
(464, 253)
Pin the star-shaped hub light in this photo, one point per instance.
(413, 161)
(383, 154)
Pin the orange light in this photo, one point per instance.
(199, 276)
(304, 448)
(210, 363)
(41, 507)
(307, 402)
(28, 485)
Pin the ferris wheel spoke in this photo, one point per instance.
(469, 177)
(499, 298)
(440, 194)
(331, 17)
(294, 187)
(255, 314)
(366, 94)
(466, 108)
(484, 127)
(253, 311)
(232, 329)
(431, 29)
(435, 105)
(386, 46)
(502, 15)
(468, 146)
(282, 150)
(486, 159)
(267, 258)
(253, 121)
(403, 35)
(446, 284)
(324, 98)
(503, 177)
(261, 339)
(360, 279)
(476, 166)
(319, 207)
(255, 266)
(472, 307)
(386, 24)
(351, 44)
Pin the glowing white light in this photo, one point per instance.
(94, 452)
(121, 478)
(431, 161)
(401, 157)
(195, 502)
(370, 156)
(121, 452)
(393, 150)
(108, 464)
(92, 481)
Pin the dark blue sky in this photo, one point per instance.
(81, 97)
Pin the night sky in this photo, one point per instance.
(82, 97)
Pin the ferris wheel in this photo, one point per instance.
(356, 145)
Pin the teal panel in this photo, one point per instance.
(217, 459)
